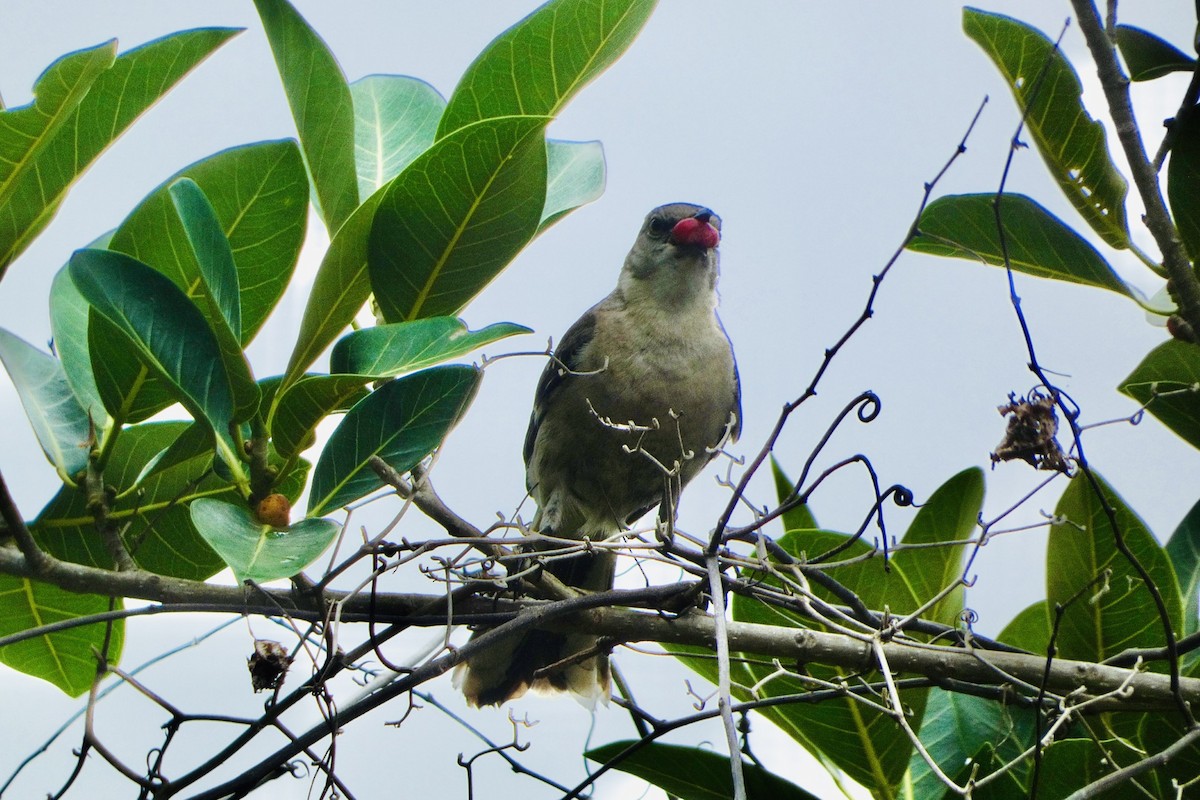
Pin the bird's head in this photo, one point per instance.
(674, 259)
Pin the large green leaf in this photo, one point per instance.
(25, 133)
(220, 302)
(340, 289)
(1183, 548)
(540, 63)
(575, 175)
(61, 425)
(954, 729)
(1072, 144)
(692, 773)
(1038, 243)
(1149, 56)
(154, 521)
(130, 391)
(321, 106)
(214, 256)
(1117, 613)
(1069, 764)
(151, 507)
(258, 552)
(306, 402)
(360, 357)
(395, 119)
(950, 515)
(259, 192)
(448, 224)
(170, 333)
(118, 96)
(1156, 732)
(401, 422)
(796, 519)
(865, 744)
(1030, 629)
(66, 659)
(1165, 381)
(1183, 180)
(384, 351)
(69, 315)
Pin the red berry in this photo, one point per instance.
(694, 232)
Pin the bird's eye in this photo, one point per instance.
(660, 226)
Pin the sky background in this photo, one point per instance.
(811, 129)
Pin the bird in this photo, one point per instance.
(641, 393)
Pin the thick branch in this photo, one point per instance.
(596, 614)
(1185, 289)
(1148, 690)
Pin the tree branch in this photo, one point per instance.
(36, 558)
(1184, 288)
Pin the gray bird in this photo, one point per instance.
(641, 391)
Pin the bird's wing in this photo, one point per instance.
(558, 371)
(736, 406)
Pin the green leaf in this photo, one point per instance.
(260, 195)
(865, 744)
(384, 351)
(1072, 144)
(1039, 243)
(448, 224)
(1030, 630)
(362, 356)
(540, 63)
(58, 421)
(308, 401)
(1156, 732)
(1069, 764)
(799, 518)
(127, 387)
(1148, 56)
(151, 506)
(1183, 549)
(1117, 613)
(154, 522)
(213, 254)
(119, 95)
(67, 658)
(395, 119)
(692, 773)
(401, 422)
(1165, 382)
(220, 301)
(194, 442)
(321, 106)
(575, 176)
(257, 552)
(953, 730)
(69, 314)
(340, 289)
(26, 132)
(170, 333)
(1183, 180)
(950, 515)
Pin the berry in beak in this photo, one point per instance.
(696, 232)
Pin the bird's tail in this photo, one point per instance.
(542, 660)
